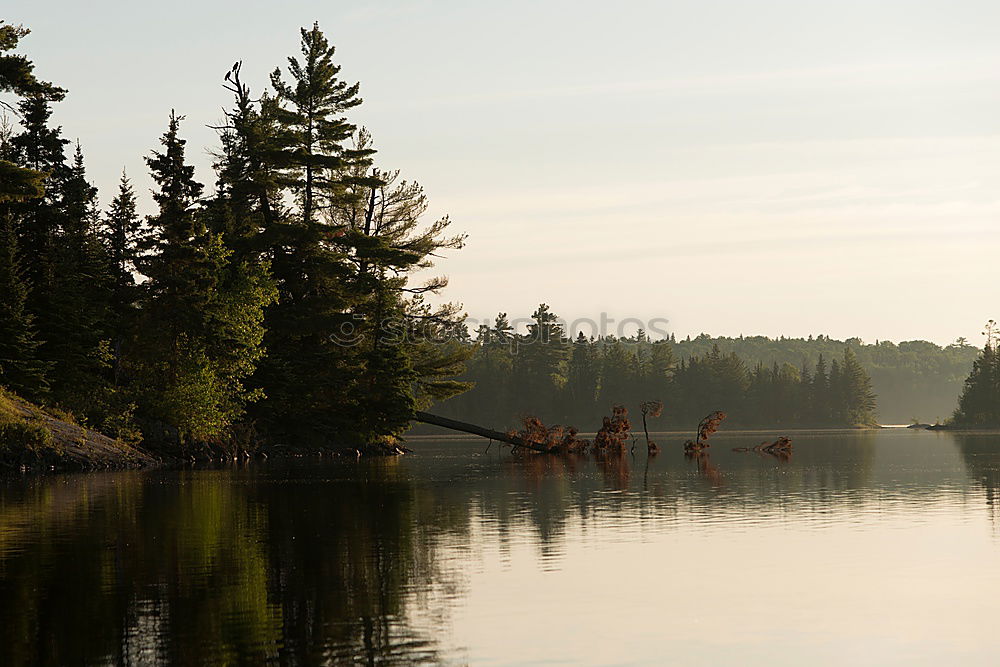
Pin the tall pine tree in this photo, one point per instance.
(315, 353)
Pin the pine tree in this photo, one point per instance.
(340, 259)
(311, 146)
(24, 200)
(539, 367)
(381, 234)
(314, 355)
(18, 183)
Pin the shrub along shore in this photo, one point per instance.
(33, 438)
(37, 439)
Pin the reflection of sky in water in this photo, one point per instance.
(864, 548)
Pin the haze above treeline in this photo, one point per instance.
(774, 168)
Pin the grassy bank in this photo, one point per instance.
(34, 438)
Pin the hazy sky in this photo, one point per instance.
(768, 167)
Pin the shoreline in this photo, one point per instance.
(35, 440)
(32, 438)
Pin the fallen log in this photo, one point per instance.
(455, 425)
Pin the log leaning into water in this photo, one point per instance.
(455, 425)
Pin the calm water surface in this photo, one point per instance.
(864, 548)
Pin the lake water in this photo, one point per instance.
(864, 548)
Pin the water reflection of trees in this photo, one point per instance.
(349, 562)
(213, 568)
(981, 454)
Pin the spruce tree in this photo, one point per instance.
(21, 370)
(489, 373)
(122, 233)
(661, 367)
(819, 395)
(201, 326)
(979, 404)
(78, 344)
(617, 377)
(247, 175)
(40, 148)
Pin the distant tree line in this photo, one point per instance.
(258, 307)
(543, 373)
(913, 379)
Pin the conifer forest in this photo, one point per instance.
(274, 300)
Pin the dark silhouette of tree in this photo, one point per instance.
(20, 367)
(979, 404)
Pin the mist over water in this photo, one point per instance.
(863, 548)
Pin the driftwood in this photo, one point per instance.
(464, 427)
(780, 448)
(651, 409)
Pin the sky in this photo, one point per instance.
(776, 167)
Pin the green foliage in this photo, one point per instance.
(122, 233)
(309, 150)
(25, 436)
(78, 329)
(218, 304)
(201, 327)
(352, 347)
(20, 367)
(18, 183)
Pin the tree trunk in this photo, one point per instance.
(464, 427)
